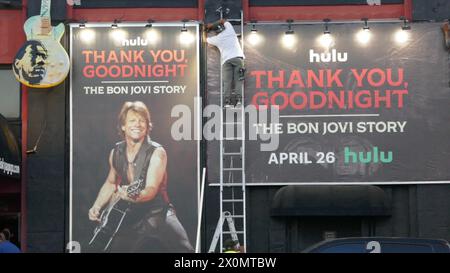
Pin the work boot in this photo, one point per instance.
(235, 99)
(227, 102)
(242, 74)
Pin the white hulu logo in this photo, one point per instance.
(327, 57)
(135, 42)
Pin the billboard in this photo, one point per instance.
(350, 113)
(134, 188)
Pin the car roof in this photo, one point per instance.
(379, 239)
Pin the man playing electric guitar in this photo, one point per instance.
(149, 214)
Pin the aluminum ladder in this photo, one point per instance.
(232, 163)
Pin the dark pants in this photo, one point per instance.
(157, 232)
(231, 76)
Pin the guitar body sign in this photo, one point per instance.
(42, 61)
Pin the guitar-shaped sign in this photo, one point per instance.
(42, 61)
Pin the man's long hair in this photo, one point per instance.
(138, 107)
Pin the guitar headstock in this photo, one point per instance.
(39, 27)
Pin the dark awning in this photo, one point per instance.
(9, 151)
(330, 201)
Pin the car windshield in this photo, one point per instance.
(345, 248)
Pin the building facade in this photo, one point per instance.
(281, 217)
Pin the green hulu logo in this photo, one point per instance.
(373, 156)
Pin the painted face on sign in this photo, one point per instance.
(31, 65)
(135, 127)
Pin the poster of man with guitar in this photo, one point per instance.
(133, 206)
(120, 184)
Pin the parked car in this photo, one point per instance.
(380, 245)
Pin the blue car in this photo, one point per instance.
(380, 245)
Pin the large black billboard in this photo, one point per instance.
(374, 112)
(131, 180)
(352, 112)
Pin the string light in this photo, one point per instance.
(364, 35)
(152, 35)
(254, 38)
(186, 38)
(289, 39)
(87, 35)
(115, 24)
(82, 24)
(402, 36)
(326, 40)
(149, 23)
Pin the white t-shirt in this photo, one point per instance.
(228, 43)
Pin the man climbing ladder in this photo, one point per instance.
(232, 60)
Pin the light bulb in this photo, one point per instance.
(363, 36)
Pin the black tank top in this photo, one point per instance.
(141, 161)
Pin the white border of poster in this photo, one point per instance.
(196, 110)
(271, 31)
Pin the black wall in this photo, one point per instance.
(231, 9)
(57, 10)
(316, 2)
(417, 211)
(431, 10)
(47, 172)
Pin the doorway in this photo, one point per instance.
(305, 231)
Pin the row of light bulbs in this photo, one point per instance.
(289, 40)
(152, 35)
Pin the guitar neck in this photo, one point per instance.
(46, 24)
(45, 8)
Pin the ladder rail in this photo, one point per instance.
(244, 219)
(230, 184)
(221, 164)
(217, 235)
(226, 215)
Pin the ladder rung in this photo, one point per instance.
(237, 216)
(230, 232)
(232, 169)
(233, 200)
(237, 153)
(225, 184)
(232, 123)
(237, 108)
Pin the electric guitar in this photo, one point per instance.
(112, 217)
(42, 61)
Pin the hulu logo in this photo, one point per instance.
(373, 156)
